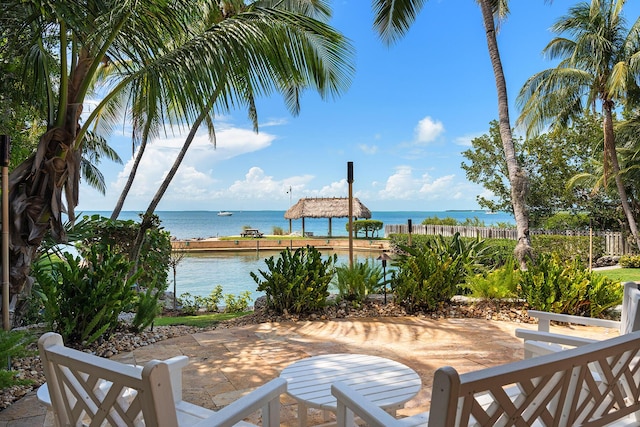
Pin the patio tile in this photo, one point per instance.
(228, 362)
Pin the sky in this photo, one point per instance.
(411, 110)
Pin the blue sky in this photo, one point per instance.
(410, 111)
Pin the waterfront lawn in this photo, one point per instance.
(621, 274)
(200, 321)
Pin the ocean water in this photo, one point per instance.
(198, 274)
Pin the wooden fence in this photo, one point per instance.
(614, 242)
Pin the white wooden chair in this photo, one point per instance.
(559, 389)
(542, 341)
(89, 390)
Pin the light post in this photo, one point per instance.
(384, 258)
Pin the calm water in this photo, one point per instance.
(198, 274)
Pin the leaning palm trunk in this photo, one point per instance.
(517, 177)
(127, 186)
(611, 158)
(145, 224)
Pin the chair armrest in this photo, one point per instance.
(175, 374)
(545, 318)
(266, 397)
(549, 337)
(349, 400)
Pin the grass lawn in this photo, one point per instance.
(201, 321)
(621, 274)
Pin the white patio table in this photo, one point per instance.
(385, 382)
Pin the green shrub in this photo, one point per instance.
(434, 220)
(278, 231)
(355, 282)
(429, 275)
(212, 301)
(237, 304)
(83, 298)
(13, 344)
(296, 281)
(560, 286)
(567, 221)
(147, 307)
(191, 304)
(629, 261)
(496, 284)
(366, 226)
(567, 247)
(498, 252)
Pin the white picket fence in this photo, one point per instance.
(614, 242)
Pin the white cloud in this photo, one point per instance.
(428, 130)
(465, 140)
(404, 185)
(368, 149)
(335, 189)
(258, 185)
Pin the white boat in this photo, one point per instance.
(225, 213)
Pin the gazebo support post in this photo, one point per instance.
(329, 226)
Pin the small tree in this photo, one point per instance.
(366, 225)
(176, 257)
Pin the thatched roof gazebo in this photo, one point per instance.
(326, 207)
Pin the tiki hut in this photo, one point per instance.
(329, 207)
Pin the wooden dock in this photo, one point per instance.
(271, 244)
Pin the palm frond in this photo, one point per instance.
(392, 18)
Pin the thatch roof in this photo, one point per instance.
(330, 207)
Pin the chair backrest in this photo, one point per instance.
(595, 384)
(630, 316)
(90, 390)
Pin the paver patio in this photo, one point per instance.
(228, 362)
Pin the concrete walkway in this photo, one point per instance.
(227, 363)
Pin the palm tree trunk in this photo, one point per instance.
(611, 155)
(137, 246)
(517, 176)
(125, 191)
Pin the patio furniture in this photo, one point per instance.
(252, 232)
(89, 390)
(543, 342)
(595, 384)
(387, 383)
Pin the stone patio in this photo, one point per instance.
(227, 363)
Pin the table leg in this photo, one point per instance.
(302, 415)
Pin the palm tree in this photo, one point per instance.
(599, 63)
(393, 18)
(287, 20)
(167, 64)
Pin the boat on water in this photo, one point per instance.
(225, 213)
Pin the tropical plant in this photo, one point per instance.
(431, 274)
(357, 281)
(13, 344)
(567, 287)
(237, 303)
(598, 66)
(296, 282)
(169, 62)
(499, 283)
(83, 297)
(393, 19)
